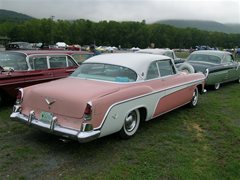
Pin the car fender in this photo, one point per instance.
(116, 113)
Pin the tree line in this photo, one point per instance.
(112, 33)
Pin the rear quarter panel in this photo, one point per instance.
(155, 98)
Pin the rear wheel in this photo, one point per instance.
(131, 124)
(194, 100)
(216, 86)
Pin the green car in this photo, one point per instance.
(219, 66)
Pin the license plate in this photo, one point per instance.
(46, 117)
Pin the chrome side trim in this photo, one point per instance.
(86, 134)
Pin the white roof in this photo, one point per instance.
(61, 44)
(154, 51)
(135, 61)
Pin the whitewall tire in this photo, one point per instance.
(131, 124)
(216, 86)
(186, 67)
(194, 100)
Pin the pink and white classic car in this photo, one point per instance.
(108, 93)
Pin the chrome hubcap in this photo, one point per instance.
(131, 121)
(195, 98)
(217, 86)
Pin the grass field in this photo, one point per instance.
(199, 143)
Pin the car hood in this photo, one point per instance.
(69, 96)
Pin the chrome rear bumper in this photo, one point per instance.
(83, 135)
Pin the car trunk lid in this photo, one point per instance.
(66, 97)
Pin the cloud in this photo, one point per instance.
(225, 11)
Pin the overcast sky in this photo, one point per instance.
(223, 11)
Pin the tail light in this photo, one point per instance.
(88, 112)
(19, 97)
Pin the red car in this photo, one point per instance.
(24, 68)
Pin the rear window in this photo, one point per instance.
(106, 72)
(14, 60)
(204, 58)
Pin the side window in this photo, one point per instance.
(228, 58)
(71, 63)
(57, 62)
(166, 67)
(214, 59)
(38, 62)
(21, 64)
(152, 71)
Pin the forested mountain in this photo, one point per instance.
(11, 16)
(203, 25)
(111, 33)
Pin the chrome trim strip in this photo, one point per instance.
(54, 78)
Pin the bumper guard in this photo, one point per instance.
(86, 133)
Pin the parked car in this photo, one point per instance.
(61, 45)
(24, 68)
(167, 52)
(238, 52)
(19, 46)
(108, 93)
(203, 47)
(219, 65)
(74, 47)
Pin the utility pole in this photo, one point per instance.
(51, 31)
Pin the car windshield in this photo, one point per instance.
(204, 58)
(13, 60)
(81, 57)
(105, 72)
